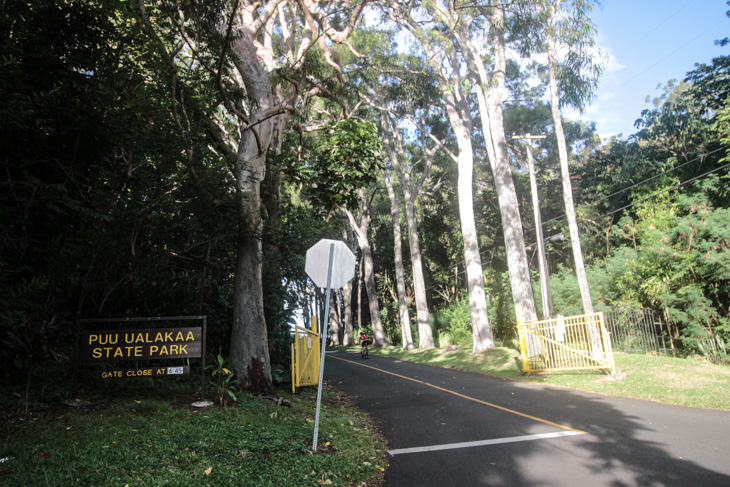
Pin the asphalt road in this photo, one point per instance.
(451, 428)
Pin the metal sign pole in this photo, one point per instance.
(323, 338)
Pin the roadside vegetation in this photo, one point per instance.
(145, 438)
(691, 381)
(153, 168)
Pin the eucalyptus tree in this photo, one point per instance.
(406, 96)
(475, 26)
(267, 61)
(403, 314)
(466, 47)
(569, 24)
(411, 190)
(443, 61)
(360, 225)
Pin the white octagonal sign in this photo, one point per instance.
(318, 261)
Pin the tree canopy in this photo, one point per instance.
(170, 158)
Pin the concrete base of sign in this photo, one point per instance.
(613, 377)
(76, 403)
(202, 404)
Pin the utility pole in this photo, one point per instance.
(547, 298)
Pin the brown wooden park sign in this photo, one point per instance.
(122, 344)
(140, 344)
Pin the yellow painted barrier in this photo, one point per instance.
(565, 343)
(304, 358)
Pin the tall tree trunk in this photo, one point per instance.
(490, 95)
(360, 282)
(361, 232)
(405, 320)
(425, 335)
(410, 193)
(580, 270)
(334, 320)
(348, 339)
(249, 352)
(348, 336)
(461, 124)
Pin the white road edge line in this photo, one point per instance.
(496, 441)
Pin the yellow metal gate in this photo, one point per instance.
(565, 343)
(304, 358)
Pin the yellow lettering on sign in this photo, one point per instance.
(168, 336)
(179, 337)
(163, 350)
(96, 353)
(159, 338)
(153, 349)
(118, 352)
(107, 339)
(190, 337)
(183, 349)
(138, 351)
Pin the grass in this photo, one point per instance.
(682, 381)
(148, 441)
(145, 433)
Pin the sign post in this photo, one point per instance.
(330, 264)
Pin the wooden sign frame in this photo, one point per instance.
(122, 344)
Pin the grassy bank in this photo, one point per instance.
(682, 381)
(150, 442)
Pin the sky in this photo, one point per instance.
(647, 43)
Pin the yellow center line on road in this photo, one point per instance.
(491, 405)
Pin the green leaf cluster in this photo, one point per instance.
(348, 157)
(666, 246)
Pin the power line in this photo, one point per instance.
(701, 156)
(655, 28)
(648, 68)
(681, 183)
(659, 175)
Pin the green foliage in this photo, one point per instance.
(710, 83)
(453, 323)
(222, 380)
(390, 318)
(660, 218)
(348, 157)
(30, 347)
(579, 70)
(681, 381)
(676, 261)
(566, 293)
(154, 442)
(103, 214)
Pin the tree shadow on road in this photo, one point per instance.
(632, 442)
(628, 443)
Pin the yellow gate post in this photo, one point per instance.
(568, 343)
(305, 357)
